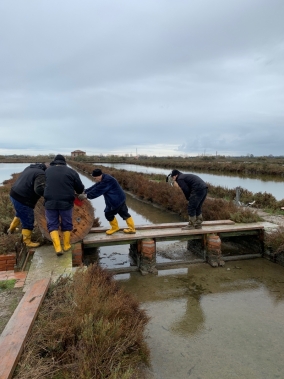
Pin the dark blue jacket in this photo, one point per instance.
(110, 189)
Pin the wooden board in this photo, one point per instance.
(167, 225)
(83, 219)
(17, 330)
(167, 234)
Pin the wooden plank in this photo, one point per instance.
(16, 331)
(166, 225)
(241, 257)
(159, 266)
(101, 239)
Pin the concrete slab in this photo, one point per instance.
(269, 225)
(46, 264)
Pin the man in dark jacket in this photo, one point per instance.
(24, 195)
(114, 195)
(59, 194)
(195, 191)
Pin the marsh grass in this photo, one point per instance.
(88, 327)
(274, 241)
(7, 284)
(8, 243)
(218, 205)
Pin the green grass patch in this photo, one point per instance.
(7, 284)
(274, 212)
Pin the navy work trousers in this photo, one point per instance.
(56, 218)
(195, 201)
(122, 210)
(25, 214)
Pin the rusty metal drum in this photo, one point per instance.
(83, 218)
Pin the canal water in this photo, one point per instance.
(274, 186)
(207, 323)
(221, 323)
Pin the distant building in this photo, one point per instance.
(77, 153)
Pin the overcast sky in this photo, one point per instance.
(156, 77)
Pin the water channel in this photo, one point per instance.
(275, 186)
(206, 323)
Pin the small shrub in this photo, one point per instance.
(8, 243)
(274, 241)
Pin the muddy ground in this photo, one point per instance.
(9, 299)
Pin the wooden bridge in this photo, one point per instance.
(143, 243)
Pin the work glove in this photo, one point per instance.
(82, 196)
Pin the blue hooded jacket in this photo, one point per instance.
(110, 189)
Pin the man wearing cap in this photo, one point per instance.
(24, 195)
(195, 191)
(114, 195)
(59, 194)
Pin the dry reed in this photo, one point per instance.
(88, 327)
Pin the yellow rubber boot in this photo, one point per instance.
(56, 242)
(66, 241)
(131, 227)
(16, 221)
(27, 235)
(114, 227)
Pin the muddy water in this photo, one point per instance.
(210, 323)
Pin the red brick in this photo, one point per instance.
(9, 267)
(11, 261)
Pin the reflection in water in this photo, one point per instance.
(214, 323)
(193, 319)
(151, 214)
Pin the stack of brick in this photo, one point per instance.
(7, 262)
(77, 255)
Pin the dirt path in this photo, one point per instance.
(275, 219)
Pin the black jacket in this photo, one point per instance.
(190, 183)
(61, 184)
(29, 187)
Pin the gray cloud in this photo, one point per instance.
(162, 77)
